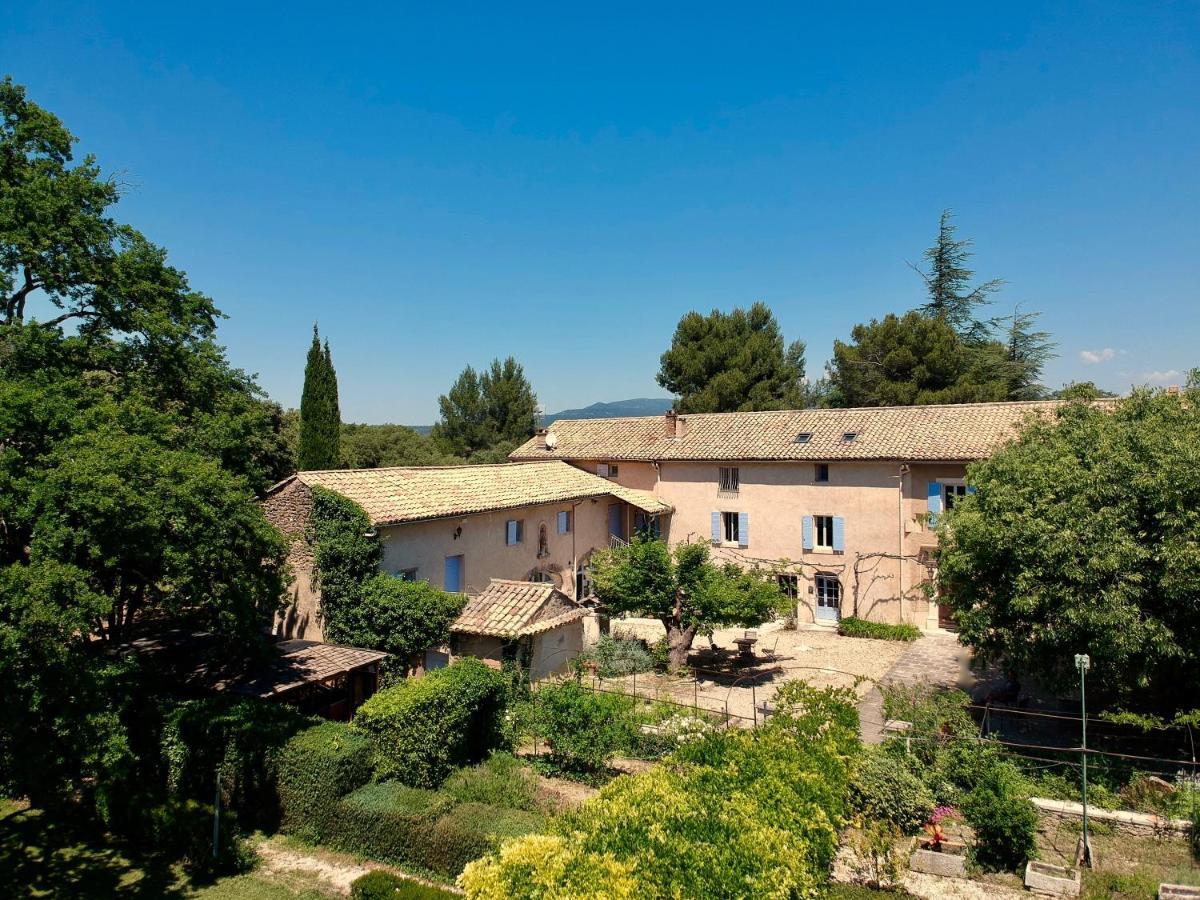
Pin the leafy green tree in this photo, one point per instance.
(947, 279)
(375, 446)
(482, 414)
(131, 454)
(1081, 538)
(1026, 352)
(684, 589)
(912, 360)
(1081, 390)
(320, 419)
(731, 362)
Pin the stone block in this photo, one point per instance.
(1057, 881)
(935, 862)
(1178, 892)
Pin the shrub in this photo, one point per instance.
(183, 829)
(862, 628)
(424, 727)
(884, 790)
(315, 769)
(381, 885)
(1004, 821)
(1194, 832)
(500, 780)
(390, 822)
(733, 814)
(584, 728)
(240, 738)
(615, 658)
(473, 830)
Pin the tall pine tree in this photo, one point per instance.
(951, 298)
(320, 418)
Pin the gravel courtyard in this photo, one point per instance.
(818, 656)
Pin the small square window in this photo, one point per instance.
(952, 493)
(821, 473)
(729, 527)
(728, 479)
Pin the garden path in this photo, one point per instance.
(335, 871)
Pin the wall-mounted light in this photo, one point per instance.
(457, 532)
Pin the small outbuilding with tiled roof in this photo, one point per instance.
(532, 623)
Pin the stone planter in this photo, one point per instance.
(1057, 881)
(949, 862)
(1178, 892)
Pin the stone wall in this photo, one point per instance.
(289, 509)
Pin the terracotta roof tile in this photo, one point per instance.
(410, 494)
(918, 433)
(303, 662)
(512, 609)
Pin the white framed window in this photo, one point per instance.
(514, 531)
(564, 521)
(730, 532)
(951, 492)
(728, 478)
(824, 533)
(407, 574)
(608, 470)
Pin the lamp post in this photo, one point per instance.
(1083, 662)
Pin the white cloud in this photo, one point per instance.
(1171, 375)
(1093, 357)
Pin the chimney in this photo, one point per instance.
(674, 426)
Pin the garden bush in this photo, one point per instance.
(472, 830)
(500, 780)
(381, 885)
(1003, 819)
(183, 829)
(733, 814)
(885, 790)
(389, 821)
(583, 728)
(614, 657)
(862, 628)
(241, 738)
(423, 727)
(315, 769)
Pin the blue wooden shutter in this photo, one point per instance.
(970, 488)
(839, 534)
(743, 529)
(935, 501)
(510, 532)
(453, 574)
(716, 528)
(807, 532)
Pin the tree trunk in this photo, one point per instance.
(679, 644)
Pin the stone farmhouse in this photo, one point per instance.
(460, 527)
(838, 502)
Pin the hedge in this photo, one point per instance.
(408, 826)
(861, 628)
(240, 737)
(381, 885)
(424, 727)
(316, 768)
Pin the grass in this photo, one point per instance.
(261, 887)
(861, 892)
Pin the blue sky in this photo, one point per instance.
(438, 184)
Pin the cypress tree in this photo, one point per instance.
(320, 419)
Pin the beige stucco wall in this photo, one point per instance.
(553, 651)
(480, 540)
(883, 511)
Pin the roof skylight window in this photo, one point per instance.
(803, 437)
(850, 436)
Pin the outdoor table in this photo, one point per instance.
(745, 647)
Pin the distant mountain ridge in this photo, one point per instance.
(639, 406)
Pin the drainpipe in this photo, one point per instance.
(904, 470)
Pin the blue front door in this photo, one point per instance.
(453, 579)
(829, 598)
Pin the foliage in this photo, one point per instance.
(683, 589)
(878, 861)
(472, 830)
(733, 362)
(914, 360)
(1004, 821)
(1194, 831)
(500, 780)
(381, 885)
(484, 411)
(852, 626)
(1081, 537)
(132, 452)
(583, 728)
(376, 446)
(422, 728)
(183, 829)
(615, 658)
(316, 768)
(404, 618)
(951, 298)
(884, 790)
(236, 740)
(1081, 390)
(389, 822)
(737, 813)
(320, 418)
